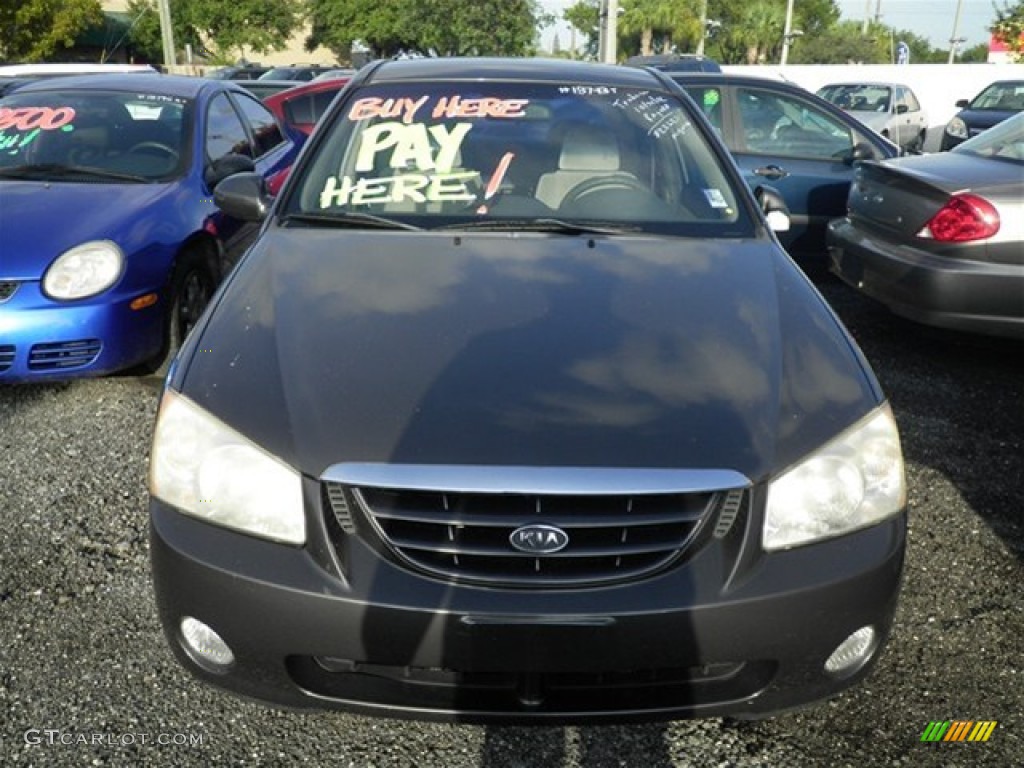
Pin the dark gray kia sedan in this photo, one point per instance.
(518, 412)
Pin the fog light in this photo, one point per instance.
(204, 646)
(852, 653)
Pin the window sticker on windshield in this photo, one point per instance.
(19, 126)
(410, 146)
(428, 154)
(445, 107)
(660, 112)
(715, 198)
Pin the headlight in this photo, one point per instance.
(852, 482)
(204, 468)
(84, 270)
(957, 128)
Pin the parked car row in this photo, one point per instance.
(783, 138)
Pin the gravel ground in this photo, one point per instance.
(86, 678)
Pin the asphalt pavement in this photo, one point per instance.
(86, 678)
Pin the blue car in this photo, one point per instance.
(792, 140)
(996, 102)
(111, 244)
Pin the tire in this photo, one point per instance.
(192, 286)
(917, 145)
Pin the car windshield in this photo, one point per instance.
(93, 135)
(1003, 97)
(517, 155)
(1003, 141)
(858, 97)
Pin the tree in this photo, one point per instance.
(223, 27)
(584, 16)
(458, 28)
(33, 30)
(448, 27)
(145, 35)
(1009, 28)
(844, 43)
(673, 21)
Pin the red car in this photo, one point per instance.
(302, 106)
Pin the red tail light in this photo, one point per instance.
(963, 218)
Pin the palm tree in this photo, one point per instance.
(673, 19)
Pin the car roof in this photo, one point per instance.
(729, 78)
(507, 69)
(882, 83)
(167, 85)
(70, 68)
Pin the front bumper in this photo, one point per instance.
(729, 631)
(958, 293)
(44, 340)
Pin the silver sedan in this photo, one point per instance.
(939, 238)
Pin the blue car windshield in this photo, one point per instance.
(93, 135)
(486, 154)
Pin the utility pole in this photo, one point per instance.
(703, 26)
(166, 34)
(612, 30)
(867, 17)
(787, 33)
(954, 41)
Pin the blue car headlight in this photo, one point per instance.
(203, 468)
(84, 270)
(852, 482)
(957, 128)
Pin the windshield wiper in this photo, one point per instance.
(557, 226)
(350, 219)
(44, 171)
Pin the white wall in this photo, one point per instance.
(937, 86)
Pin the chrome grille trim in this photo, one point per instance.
(64, 354)
(7, 352)
(621, 523)
(577, 481)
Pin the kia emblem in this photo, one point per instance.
(539, 539)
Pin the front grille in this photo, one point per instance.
(466, 534)
(7, 289)
(6, 356)
(61, 355)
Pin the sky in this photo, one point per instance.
(931, 19)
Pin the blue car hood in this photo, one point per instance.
(335, 346)
(40, 220)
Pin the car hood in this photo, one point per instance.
(980, 119)
(876, 121)
(525, 350)
(40, 220)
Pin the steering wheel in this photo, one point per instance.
(603, 184)
(154, 147)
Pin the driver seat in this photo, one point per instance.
(587, 152)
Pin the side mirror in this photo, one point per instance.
(243, 196)
(226, 166)
(962, 103)
(902, 109)
(859, 151)
(774, 207)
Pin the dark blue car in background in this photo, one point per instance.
(784, 136)
(996, 102)
(110, 244)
